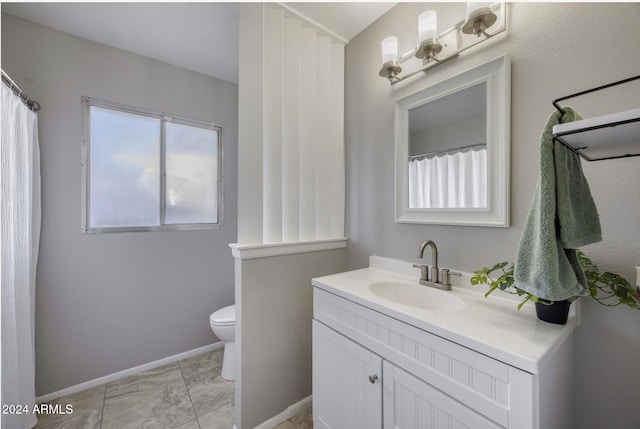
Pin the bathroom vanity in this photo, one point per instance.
(391, 353)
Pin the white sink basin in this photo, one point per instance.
(417, 296)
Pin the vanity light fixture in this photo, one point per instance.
(479, 18)
(390, 65)
(428, 47)
(435, 49)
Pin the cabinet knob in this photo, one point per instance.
(373, 378)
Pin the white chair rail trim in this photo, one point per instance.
(264, 250)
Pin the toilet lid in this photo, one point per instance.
(224, 317)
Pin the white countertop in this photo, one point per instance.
(492, 326)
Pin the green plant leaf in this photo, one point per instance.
(524, 301)
(608, 289)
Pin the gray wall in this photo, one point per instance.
(556, 50)
(274, 333)
(459, 133)
(109, 302)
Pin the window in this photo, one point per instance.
(147, 171)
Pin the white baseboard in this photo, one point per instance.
(127, 372)
(291, 411)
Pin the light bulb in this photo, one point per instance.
(475, 8)
(389, 50)
(427, 26)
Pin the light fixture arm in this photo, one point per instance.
(424, 68)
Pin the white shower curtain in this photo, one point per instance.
(456, 180)
(20, 235)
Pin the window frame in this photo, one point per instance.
(87, 103)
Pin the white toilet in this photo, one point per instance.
(223, 324)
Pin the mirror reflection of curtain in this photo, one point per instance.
(453, 180)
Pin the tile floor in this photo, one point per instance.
(303, 420)
(189, 394)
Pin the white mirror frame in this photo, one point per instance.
(497, 75)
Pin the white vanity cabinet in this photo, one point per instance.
(371, 370)
(347, 382)
(348, 391)
(409, 402)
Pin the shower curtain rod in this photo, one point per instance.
(31, 104)
(458, 149)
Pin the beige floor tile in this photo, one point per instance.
(303, 420)
(203, 376)
(145, 380)
(209, 391)
(83, 402)
(222, 418)
(203, 362)
(189, 394)
(193, 424)
(90, 420)
(285, 425)
(163, 407)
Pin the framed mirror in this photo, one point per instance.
(452, 149)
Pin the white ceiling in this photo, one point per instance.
(344, 19)
(197, 36)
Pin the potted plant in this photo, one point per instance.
(608, 289)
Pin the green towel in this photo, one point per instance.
(562, 218)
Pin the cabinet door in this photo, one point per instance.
(347, 382)
(410, 403)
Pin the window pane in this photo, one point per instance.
(124, 169)
(192, 174)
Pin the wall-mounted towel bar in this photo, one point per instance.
(610, 136)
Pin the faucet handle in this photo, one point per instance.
(445, 274)
(424, 270)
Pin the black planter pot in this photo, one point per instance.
(553, 311)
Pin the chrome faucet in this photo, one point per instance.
(438, 278)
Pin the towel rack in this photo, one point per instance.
(610, 136)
